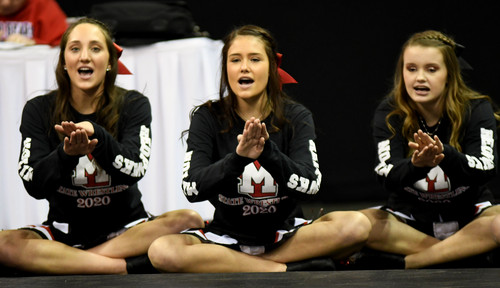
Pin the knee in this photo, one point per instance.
(10, 246)
(495, 229)
(359, 226)
(163, 255)
(375, 215)
(354, 226)
(192, 218)
(182, 219)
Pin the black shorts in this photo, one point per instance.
(438, 229)
(208, 235)
(56, 231)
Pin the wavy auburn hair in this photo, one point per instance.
(457, 95)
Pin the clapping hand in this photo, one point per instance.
(428, 151)
(251, 141)
(77, 140)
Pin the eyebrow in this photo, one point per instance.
(425, 65)
(91, 42)
(250, 54)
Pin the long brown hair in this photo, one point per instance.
(108, 106)
(276, 97)
(457, 95)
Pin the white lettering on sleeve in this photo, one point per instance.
(303, 184)
(486, 161)
(25, 171)
(189, 188)
(136, 169)
(384, 154)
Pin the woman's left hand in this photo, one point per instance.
(76, 141)
(66, 127)
(251, 141)
(428, 151)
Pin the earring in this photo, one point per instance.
(65, 68)
(108, 69)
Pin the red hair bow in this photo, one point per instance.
(121, 67)
(285, 78)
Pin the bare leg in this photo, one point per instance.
(136, 240)
(24, 250)
(336, 234)
(186, 253)
(390, 235)
(479, 236)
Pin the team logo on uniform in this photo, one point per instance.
(89, 174)
(435, 182)
(257, 182)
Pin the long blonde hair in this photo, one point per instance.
(457, 95)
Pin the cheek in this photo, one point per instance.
(406, 77)
(67, 59)
(264, 75)
(231, 74)
(445, 81)
(102, 63)
(407, 83)
(441, 82)
(231, 79)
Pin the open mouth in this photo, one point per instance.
(421, 89)
(85, 72)
(245, 81)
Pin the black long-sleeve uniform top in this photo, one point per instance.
(97, 193)
(252, 199)
(450, 190)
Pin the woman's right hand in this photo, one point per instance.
(428, 152)
(251, 141)
(77, 140)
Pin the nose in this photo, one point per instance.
(84, 55)
(421, 76)
(244, 65)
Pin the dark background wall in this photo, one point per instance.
(343, 54)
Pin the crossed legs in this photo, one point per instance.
(25, 250)
(390, 235)
(336, 234)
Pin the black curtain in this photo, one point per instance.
(343, 54)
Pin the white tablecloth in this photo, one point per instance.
(175, 75)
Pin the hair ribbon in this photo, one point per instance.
(122, 69)
(285, 78)
(459, 49)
